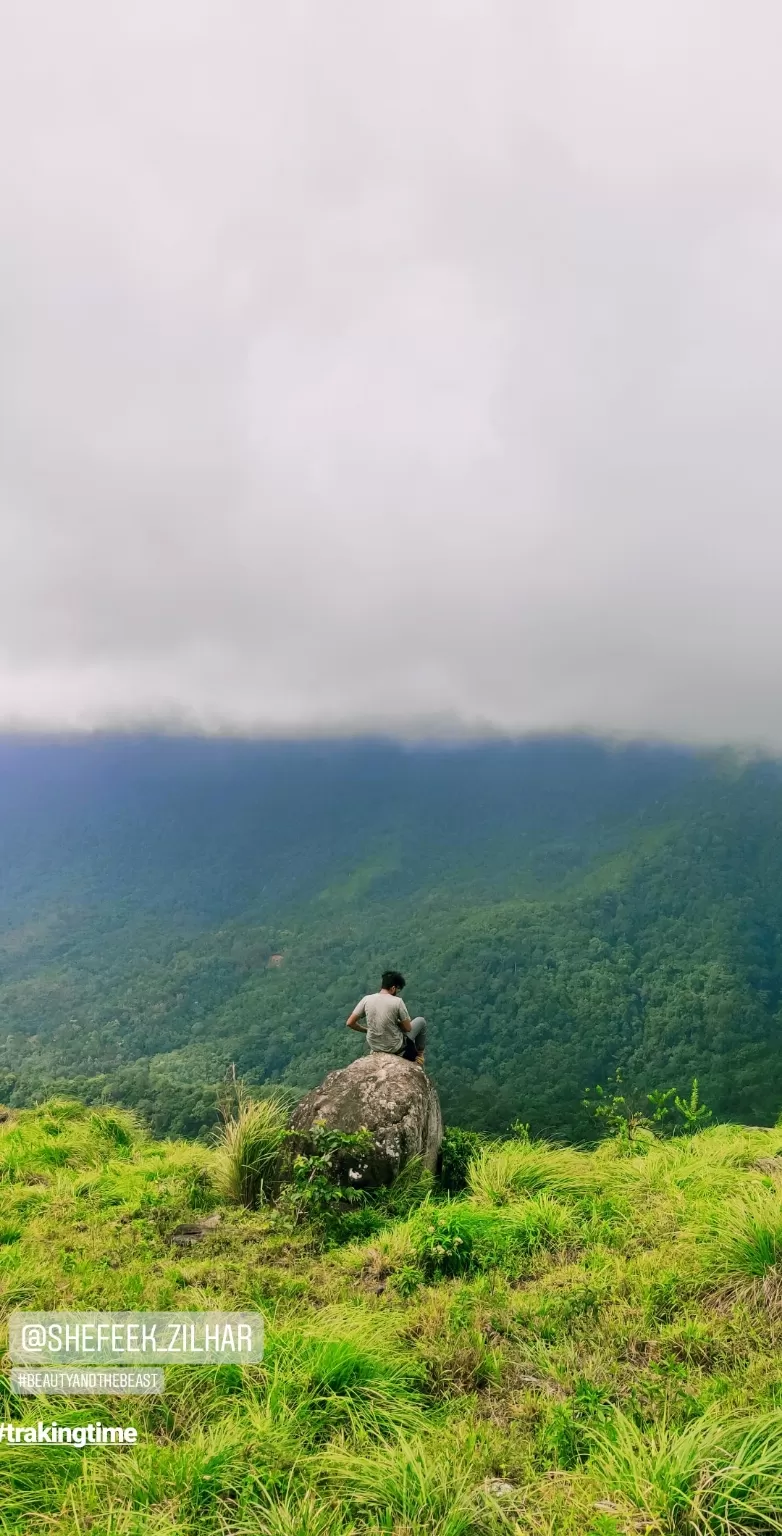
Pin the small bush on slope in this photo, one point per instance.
(456, 1153)
(339, 1213)
(459, 1238)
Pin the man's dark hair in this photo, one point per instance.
(393, 979)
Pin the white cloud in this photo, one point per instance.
(369, 365)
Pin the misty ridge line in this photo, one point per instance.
(434, 738)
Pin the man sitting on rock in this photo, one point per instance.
(389, 1027)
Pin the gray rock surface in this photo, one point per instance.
(394, 1100)
(191, 1231)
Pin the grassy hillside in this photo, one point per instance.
(577, 1343)
(560, 908)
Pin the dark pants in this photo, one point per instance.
(415, 1040)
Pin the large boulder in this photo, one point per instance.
(391, 1098)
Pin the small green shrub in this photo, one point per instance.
(444, 1242)
(458, 1149)
(566, 1436)
(626, 1115)
(339, 1212)
(460, 1238)
(408, 1279)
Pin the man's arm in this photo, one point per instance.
(352, 1022)
(404, 1018)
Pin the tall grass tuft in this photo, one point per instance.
(405, 1488)
(499, 1175)
(711, 1478)
(347, 1374)
(408, 1190)
(65, 1134)
(744, 1244)
(293, 1512)
(249, 1150)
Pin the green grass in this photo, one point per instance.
(249, 1149)
(579, 1344)
(742, 1248)
(500, 1174)
(405, 1487)
(713, 1476)
(461, 1237)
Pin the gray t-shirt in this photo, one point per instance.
(384, 1014)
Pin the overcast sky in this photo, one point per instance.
(412, 365)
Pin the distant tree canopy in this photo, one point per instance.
(561, 909)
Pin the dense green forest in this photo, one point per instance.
(561, 909)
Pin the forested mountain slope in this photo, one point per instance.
(561, 908)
